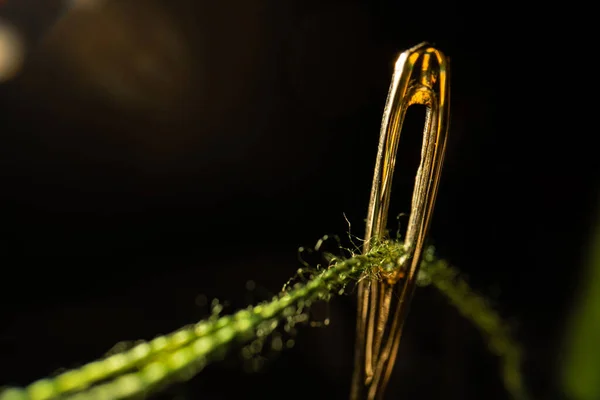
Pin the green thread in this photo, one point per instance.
(477, 309)
(149, 366)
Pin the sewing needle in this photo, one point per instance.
(420, 76)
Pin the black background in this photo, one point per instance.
(121, 203)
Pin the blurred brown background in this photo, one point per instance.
(152, 151)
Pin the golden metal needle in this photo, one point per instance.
(420, 77)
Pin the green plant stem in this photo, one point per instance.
(150, 366)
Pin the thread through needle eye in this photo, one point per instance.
(421, 76)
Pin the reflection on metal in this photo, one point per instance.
(420, 77)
